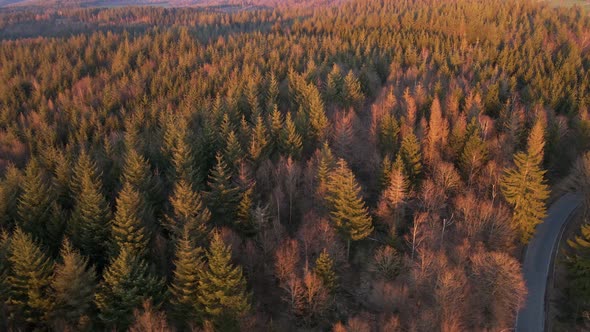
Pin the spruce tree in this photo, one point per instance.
(223, 196)
(222, 287)
(89, 223)
(290, 143)
(258, 141)
(475, 152)
(35, 204)
(347, 208)
(233, 149)
(126, 284)
(245, 222)
(189, 213)
(324, 268)
(578, 267)
(389, 134)
(412, 158)
(73, 286)
(524, 186)
(128, 229)
(29, 280)
(188, 262)
(9, 193)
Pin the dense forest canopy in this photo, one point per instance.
(364, 165)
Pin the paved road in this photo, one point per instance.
(537, 261)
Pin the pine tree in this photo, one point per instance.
(73, 285)
(128, 229)
(524, 186)
(412, 158)
(126, 284)
(324, 268)
(188, 262)
(222, 287)
(223, 196)
(29, 280)
(89, 223)
(347, 209)
(35, 204)
(188, 213)
(290, 140)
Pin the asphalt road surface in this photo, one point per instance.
(537, 262)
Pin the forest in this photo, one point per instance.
(361, 165)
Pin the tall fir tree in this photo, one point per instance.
(223, 196)
(126, 284)
(412, 157)
(524, 186)
(35, 205)
(347, 208)
(128, 229)
(10, 190)
(189, 213)
(29, 280)
(73, 286)
(222, 287)
(184, 302)
(324, 268)
(89, 226)
(578, 268)
(290, 140)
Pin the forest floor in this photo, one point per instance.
(557, 281)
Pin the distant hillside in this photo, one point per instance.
(101, 3)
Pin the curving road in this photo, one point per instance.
(537, 262)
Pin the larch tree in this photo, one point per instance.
(184, 301)
(393, 197)
(126, 284)
(222, 287)
(524, 185)
(73, 285)
(258, 141)
(347, 208)
(437, 132)
(189, 213)
(29, 281)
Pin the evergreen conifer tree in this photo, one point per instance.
(189, 213)
(73, 285)
(347, 208)
(412, 158)
(222, 197)
(89, 222)
(128, 229)
(222, 287)
(188, 262)
(324, 268)
(524, 186)
(126, 284)
(29, 280)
